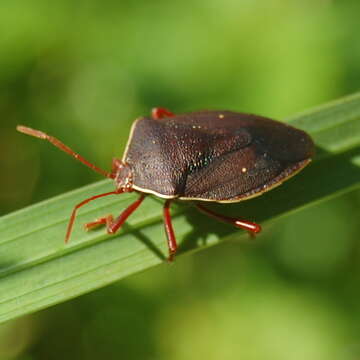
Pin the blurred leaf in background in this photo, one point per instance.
(84, 71)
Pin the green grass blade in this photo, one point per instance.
(38, 270)
(335, 127)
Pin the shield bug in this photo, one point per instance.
(214, 156)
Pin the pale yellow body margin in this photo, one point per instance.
(137, 188)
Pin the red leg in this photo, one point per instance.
(159, 113)
(169, 230)
(251, 227)
(76, 208)
(109, 219)
(63, 147)
(112, 226)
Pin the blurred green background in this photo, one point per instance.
(84, 71)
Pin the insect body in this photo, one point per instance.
(217, 156)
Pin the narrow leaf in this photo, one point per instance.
(38, 270)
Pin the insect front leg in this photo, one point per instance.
(113, 225)
(105, 220)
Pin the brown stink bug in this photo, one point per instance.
(217, 156)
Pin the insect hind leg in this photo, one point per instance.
(249, 226)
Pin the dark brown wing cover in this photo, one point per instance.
(214, 155)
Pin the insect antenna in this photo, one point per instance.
(41, 135)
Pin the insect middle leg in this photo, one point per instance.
(169, 230)
(112, 226)
(159, 113)
(251, 227)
